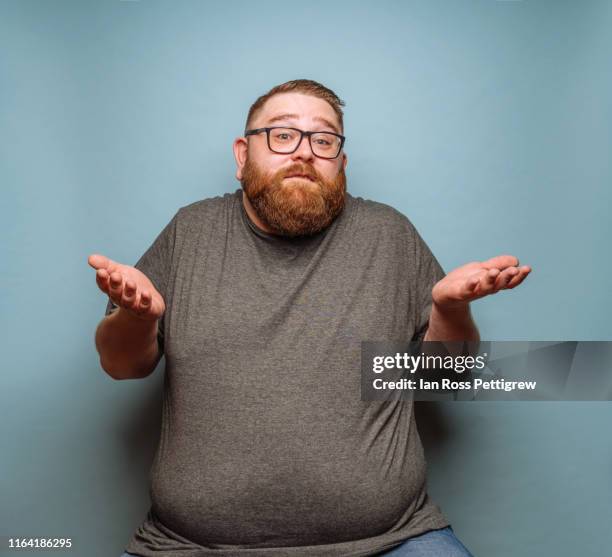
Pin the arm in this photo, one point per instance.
(127, 338)
(127, 345)
(451, 324)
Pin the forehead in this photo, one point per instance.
(309, 110)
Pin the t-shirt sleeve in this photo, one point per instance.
(156, 264)
(428, 273)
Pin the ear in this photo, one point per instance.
(344, 161)
(240, 147)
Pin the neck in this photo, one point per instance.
(253, 215)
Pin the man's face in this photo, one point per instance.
(287, 204)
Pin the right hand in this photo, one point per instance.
(128, 287)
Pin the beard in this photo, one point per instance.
(295, 206)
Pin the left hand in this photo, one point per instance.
(477, 279)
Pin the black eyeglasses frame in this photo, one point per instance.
(303, 133)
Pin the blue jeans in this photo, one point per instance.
(435, 543)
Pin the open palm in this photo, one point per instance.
(128, 287)
(477, 279)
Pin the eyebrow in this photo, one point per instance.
(324, 121)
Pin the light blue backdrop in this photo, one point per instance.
(485, 122)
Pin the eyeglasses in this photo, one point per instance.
(326, 145)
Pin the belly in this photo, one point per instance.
(256, 481)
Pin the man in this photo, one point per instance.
(259, 300)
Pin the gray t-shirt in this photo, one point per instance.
(266, 448)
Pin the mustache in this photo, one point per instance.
(301, 170)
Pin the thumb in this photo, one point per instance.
(98, 261)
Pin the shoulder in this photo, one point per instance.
(204, 209)
(197, 218)
(373, 215)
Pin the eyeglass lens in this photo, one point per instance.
(285, 140)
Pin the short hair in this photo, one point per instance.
(305, 86)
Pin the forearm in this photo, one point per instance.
(127, 345)
(451, 324)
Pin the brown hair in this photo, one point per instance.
(306, 86)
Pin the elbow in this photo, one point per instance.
(112, 372)
(119, 373)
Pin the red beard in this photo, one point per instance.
(296, 206)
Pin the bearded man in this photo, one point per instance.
(259, 300)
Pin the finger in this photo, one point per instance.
(479, 284)
(144, 303)
(487, 283)
(129, 290)
(98, 261)
(102, 279)
(500, 262)
(116, 287)
(516, 280)
(504, 278)
(472, 283)
(128, 298)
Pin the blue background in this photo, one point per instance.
(486, 122)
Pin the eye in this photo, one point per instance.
(283, 135)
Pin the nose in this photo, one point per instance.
(303, 152)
